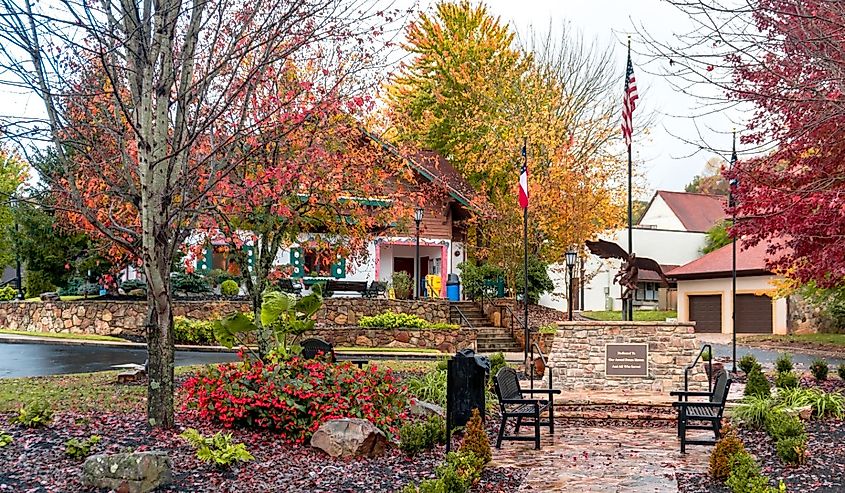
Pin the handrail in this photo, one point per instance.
(462, 316)
(709, 349)
(513, 318)
(534, 345)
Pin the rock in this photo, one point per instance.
(805, 413)
(423, 408)
(135, 472)
(50, 296)
(137, 292)
(349, 437)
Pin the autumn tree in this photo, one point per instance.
(12, 174)
(783, 59)
(710, 181)
(145, 104)
(472, 92)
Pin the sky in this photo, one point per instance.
(665, 161)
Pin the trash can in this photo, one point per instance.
(466, 384)
(453, 288)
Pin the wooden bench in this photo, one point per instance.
(702, 415)
(319, 349)
(288, 286)
(333, 286)
(514, 404)
(375, 290)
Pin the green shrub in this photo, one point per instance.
(840, 370)
(747, 362)
(229, 288)
(793, 397)
(8, 293)
(430, 387)
(442, 364)
(133, 284)
(218, 276)
(782, 425)
(474, 275)
(757, 384)
(784, 363)
(80, 449)
(819, 369)
(460, 471)
(187, 331)
(34, 414)
(726, 448)
(392, 320)
(705, 355)
(416, 437)
(786, 380)
(88, 289)
(5, 439)
(497, 362)
(745, 475)
(548, 329)
(403, 286)
(754, 411)
(793, 449)
(826, 403)
(37, 282)
(475, 438)
(189, 283)
(218, 449)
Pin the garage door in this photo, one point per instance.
(706, 312)
(753, 314)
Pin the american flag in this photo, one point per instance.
(734, 182)
(629, 101)
(523, 180)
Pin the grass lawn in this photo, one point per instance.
(67, 298)
(837, 340)
(348, 349)
(62, 335)
(639, 315)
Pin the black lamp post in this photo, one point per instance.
(571, 258)
(732, 205)
(418, 217)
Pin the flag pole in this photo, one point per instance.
(732, 204)
(525, 258)
(629, 305)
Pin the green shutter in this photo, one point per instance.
(205, 261)
(250, 256)
(338, 269)
(297, 257)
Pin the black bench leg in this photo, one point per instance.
(536, 427)
(501, 432)
(552, 417)
(682, 430)
(518, 425)
(717, 429)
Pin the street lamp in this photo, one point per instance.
(571, 258)
(418, 217)
(732, 206)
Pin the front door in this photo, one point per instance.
(404, 264)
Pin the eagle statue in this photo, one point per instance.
(629, 273)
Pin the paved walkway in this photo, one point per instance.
(603, 460)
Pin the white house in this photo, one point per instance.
(672, 231)
(704, 293)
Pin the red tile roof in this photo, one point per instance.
(718, 263)
(696, 211)
(652, 276)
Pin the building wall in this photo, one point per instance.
(660, 216)
(722, 286)
(666, 247)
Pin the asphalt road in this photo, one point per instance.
(32, 360)
(769, 356)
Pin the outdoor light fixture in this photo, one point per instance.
(418, 217)
(571, 258)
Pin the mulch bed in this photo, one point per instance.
(824, 470)
(36, 462)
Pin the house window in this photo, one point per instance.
(316, 264)
(646, 291)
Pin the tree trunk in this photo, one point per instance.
(160, 410)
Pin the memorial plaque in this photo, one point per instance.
(626, 360)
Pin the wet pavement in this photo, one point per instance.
(768, 356)
(33, 360)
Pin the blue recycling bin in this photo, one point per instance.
(453, 288)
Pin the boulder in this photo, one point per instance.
(349, 437)
(423, 408)
(50, 296)
(137, 292)
(805, 412)
(134, 472)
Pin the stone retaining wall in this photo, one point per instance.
(447, 341)
(127, 317)
(577, 358)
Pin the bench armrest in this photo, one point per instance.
(540, 391)
(690, 394)
(716, 405)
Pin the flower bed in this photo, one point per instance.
(296, 396)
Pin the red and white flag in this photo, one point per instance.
(629, 101)
(523, 181)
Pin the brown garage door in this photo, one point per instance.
(706, 312)
(753, 314)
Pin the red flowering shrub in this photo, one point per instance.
(296, 396)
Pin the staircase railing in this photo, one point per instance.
(691, 366)
(461, 316)
(513, 318)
